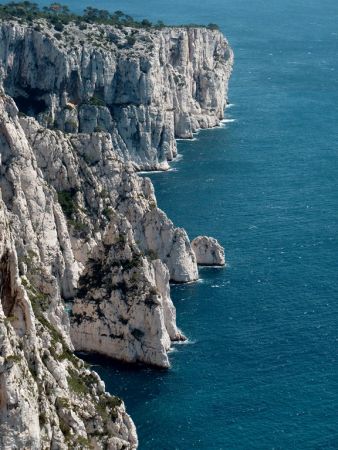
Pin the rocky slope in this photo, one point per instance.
(78, 225)
(146, 88)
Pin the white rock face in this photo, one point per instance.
(169, 84)
(47, 398)
(77, 224)
(208, 251)
(104, 245)
(123, 308)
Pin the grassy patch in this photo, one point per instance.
(96, 101)
(106, 407)
(13, 358)
(76, 384)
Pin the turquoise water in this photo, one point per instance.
(261, 369)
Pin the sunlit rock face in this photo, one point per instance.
(47, 397)
(105, 245)
(79, 115)
(208, 251)
(166, 84)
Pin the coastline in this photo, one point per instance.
(87, 227)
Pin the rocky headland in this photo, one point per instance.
(80, 112)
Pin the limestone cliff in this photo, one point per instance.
(145, 87)
(78, 226)
(95, 227)
(47, 397)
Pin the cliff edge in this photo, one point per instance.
(80, 112)
(145, 87)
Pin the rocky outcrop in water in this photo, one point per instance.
(208, 251)
(145, 87)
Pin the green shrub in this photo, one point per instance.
(65, 428)
(106, 407)
(13, 358)
(59, 15)
(96, 101)
(42, 419)
(39, 300)
(59, 27)
(213, 26)
(130, 264)
(151, 254)
(68, 202)
(76, 384)
(71, 126)
(131, 40)
(107, 211)
(83, 442)
(78, 225)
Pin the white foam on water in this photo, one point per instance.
(145, 172)
(230, 105)
(186, 342)
(172, 350)
(178, 157)
(228, 120)
(214, 267)
(187, 139)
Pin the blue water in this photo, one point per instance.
(261, 371)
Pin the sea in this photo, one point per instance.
(260, 368)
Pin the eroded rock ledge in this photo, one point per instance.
(78, 225)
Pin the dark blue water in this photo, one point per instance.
(261, 371)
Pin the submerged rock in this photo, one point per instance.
(208, 251)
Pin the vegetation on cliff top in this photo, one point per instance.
(60, 15)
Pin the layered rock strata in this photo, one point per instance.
(145, 87)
